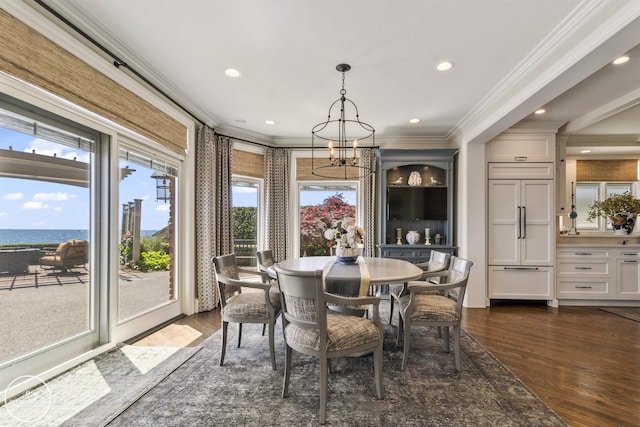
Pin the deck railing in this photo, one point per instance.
(245, 250)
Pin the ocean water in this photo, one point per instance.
(30, 236)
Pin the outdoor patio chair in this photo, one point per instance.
(69, 254)
(244, 307)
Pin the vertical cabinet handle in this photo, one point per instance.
(524, 222)
(519, 222)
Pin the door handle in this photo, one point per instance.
(519, 222)
(524, 222)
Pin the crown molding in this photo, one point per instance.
(31, 14)
(542, 75)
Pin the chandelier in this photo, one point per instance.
(339, 138)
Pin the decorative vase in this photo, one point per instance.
(398, 236)
(415, 179)
(346, 255)
(413, 237)
(623, 223)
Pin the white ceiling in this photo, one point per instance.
(510, 57)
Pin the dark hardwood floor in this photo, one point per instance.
(583, 362)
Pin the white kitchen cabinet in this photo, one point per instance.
(521, 227)
(585, 273)
(519, 282)
(522, 147)
(628, 275)
(597, 273)
(521, 234)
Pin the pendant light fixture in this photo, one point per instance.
(338, 139)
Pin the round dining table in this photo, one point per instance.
(382, 271)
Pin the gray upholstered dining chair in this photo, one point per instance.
(421, 307)
(310, 329)
(438, 261)
(265, 261)
(259, 306)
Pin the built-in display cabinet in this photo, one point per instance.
(416, 189)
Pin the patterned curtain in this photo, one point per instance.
(276, 190)
(367, 201)
(214, 233)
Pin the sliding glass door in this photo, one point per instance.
(49, 303)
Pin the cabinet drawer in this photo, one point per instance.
(583, 268)
(400, 253)
(521, 283)
(585, 253)
(629, 254)
(580, 288)
(521, 171)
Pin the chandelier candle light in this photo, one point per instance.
(343, 136)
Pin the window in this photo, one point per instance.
(589, 192)
(245, 193)
(49, 238)
(147, 232)
(320, 205)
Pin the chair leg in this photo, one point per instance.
(324, 379)
(405, 349)
(446, 339)
(456, 347)
(287, 370)
(264, 327)
(224, 341)
(377, 367)
(390, 308)
(239, 333)
(400, 327)
(272, 348)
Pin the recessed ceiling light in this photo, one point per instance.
(444, 66)
(270, 122)
(414, 121)
(231, 72)
(585, 151)
(241, 121)
(540, 111)
(621, 60)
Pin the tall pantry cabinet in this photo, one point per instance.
(521, 225)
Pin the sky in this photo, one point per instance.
(35, 204)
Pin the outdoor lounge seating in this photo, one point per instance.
(69, 254)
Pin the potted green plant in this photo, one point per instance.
(620, 209)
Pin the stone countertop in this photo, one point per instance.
(632, 241)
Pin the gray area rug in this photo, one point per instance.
(95, 392)
(246, 391)
(632, 313)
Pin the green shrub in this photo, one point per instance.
(153, 244)
(155, 260)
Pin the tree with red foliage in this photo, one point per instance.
(314, 220)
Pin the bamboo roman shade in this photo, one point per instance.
(248, 164)
(303, 170)
(606, 170)
(29, 56)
